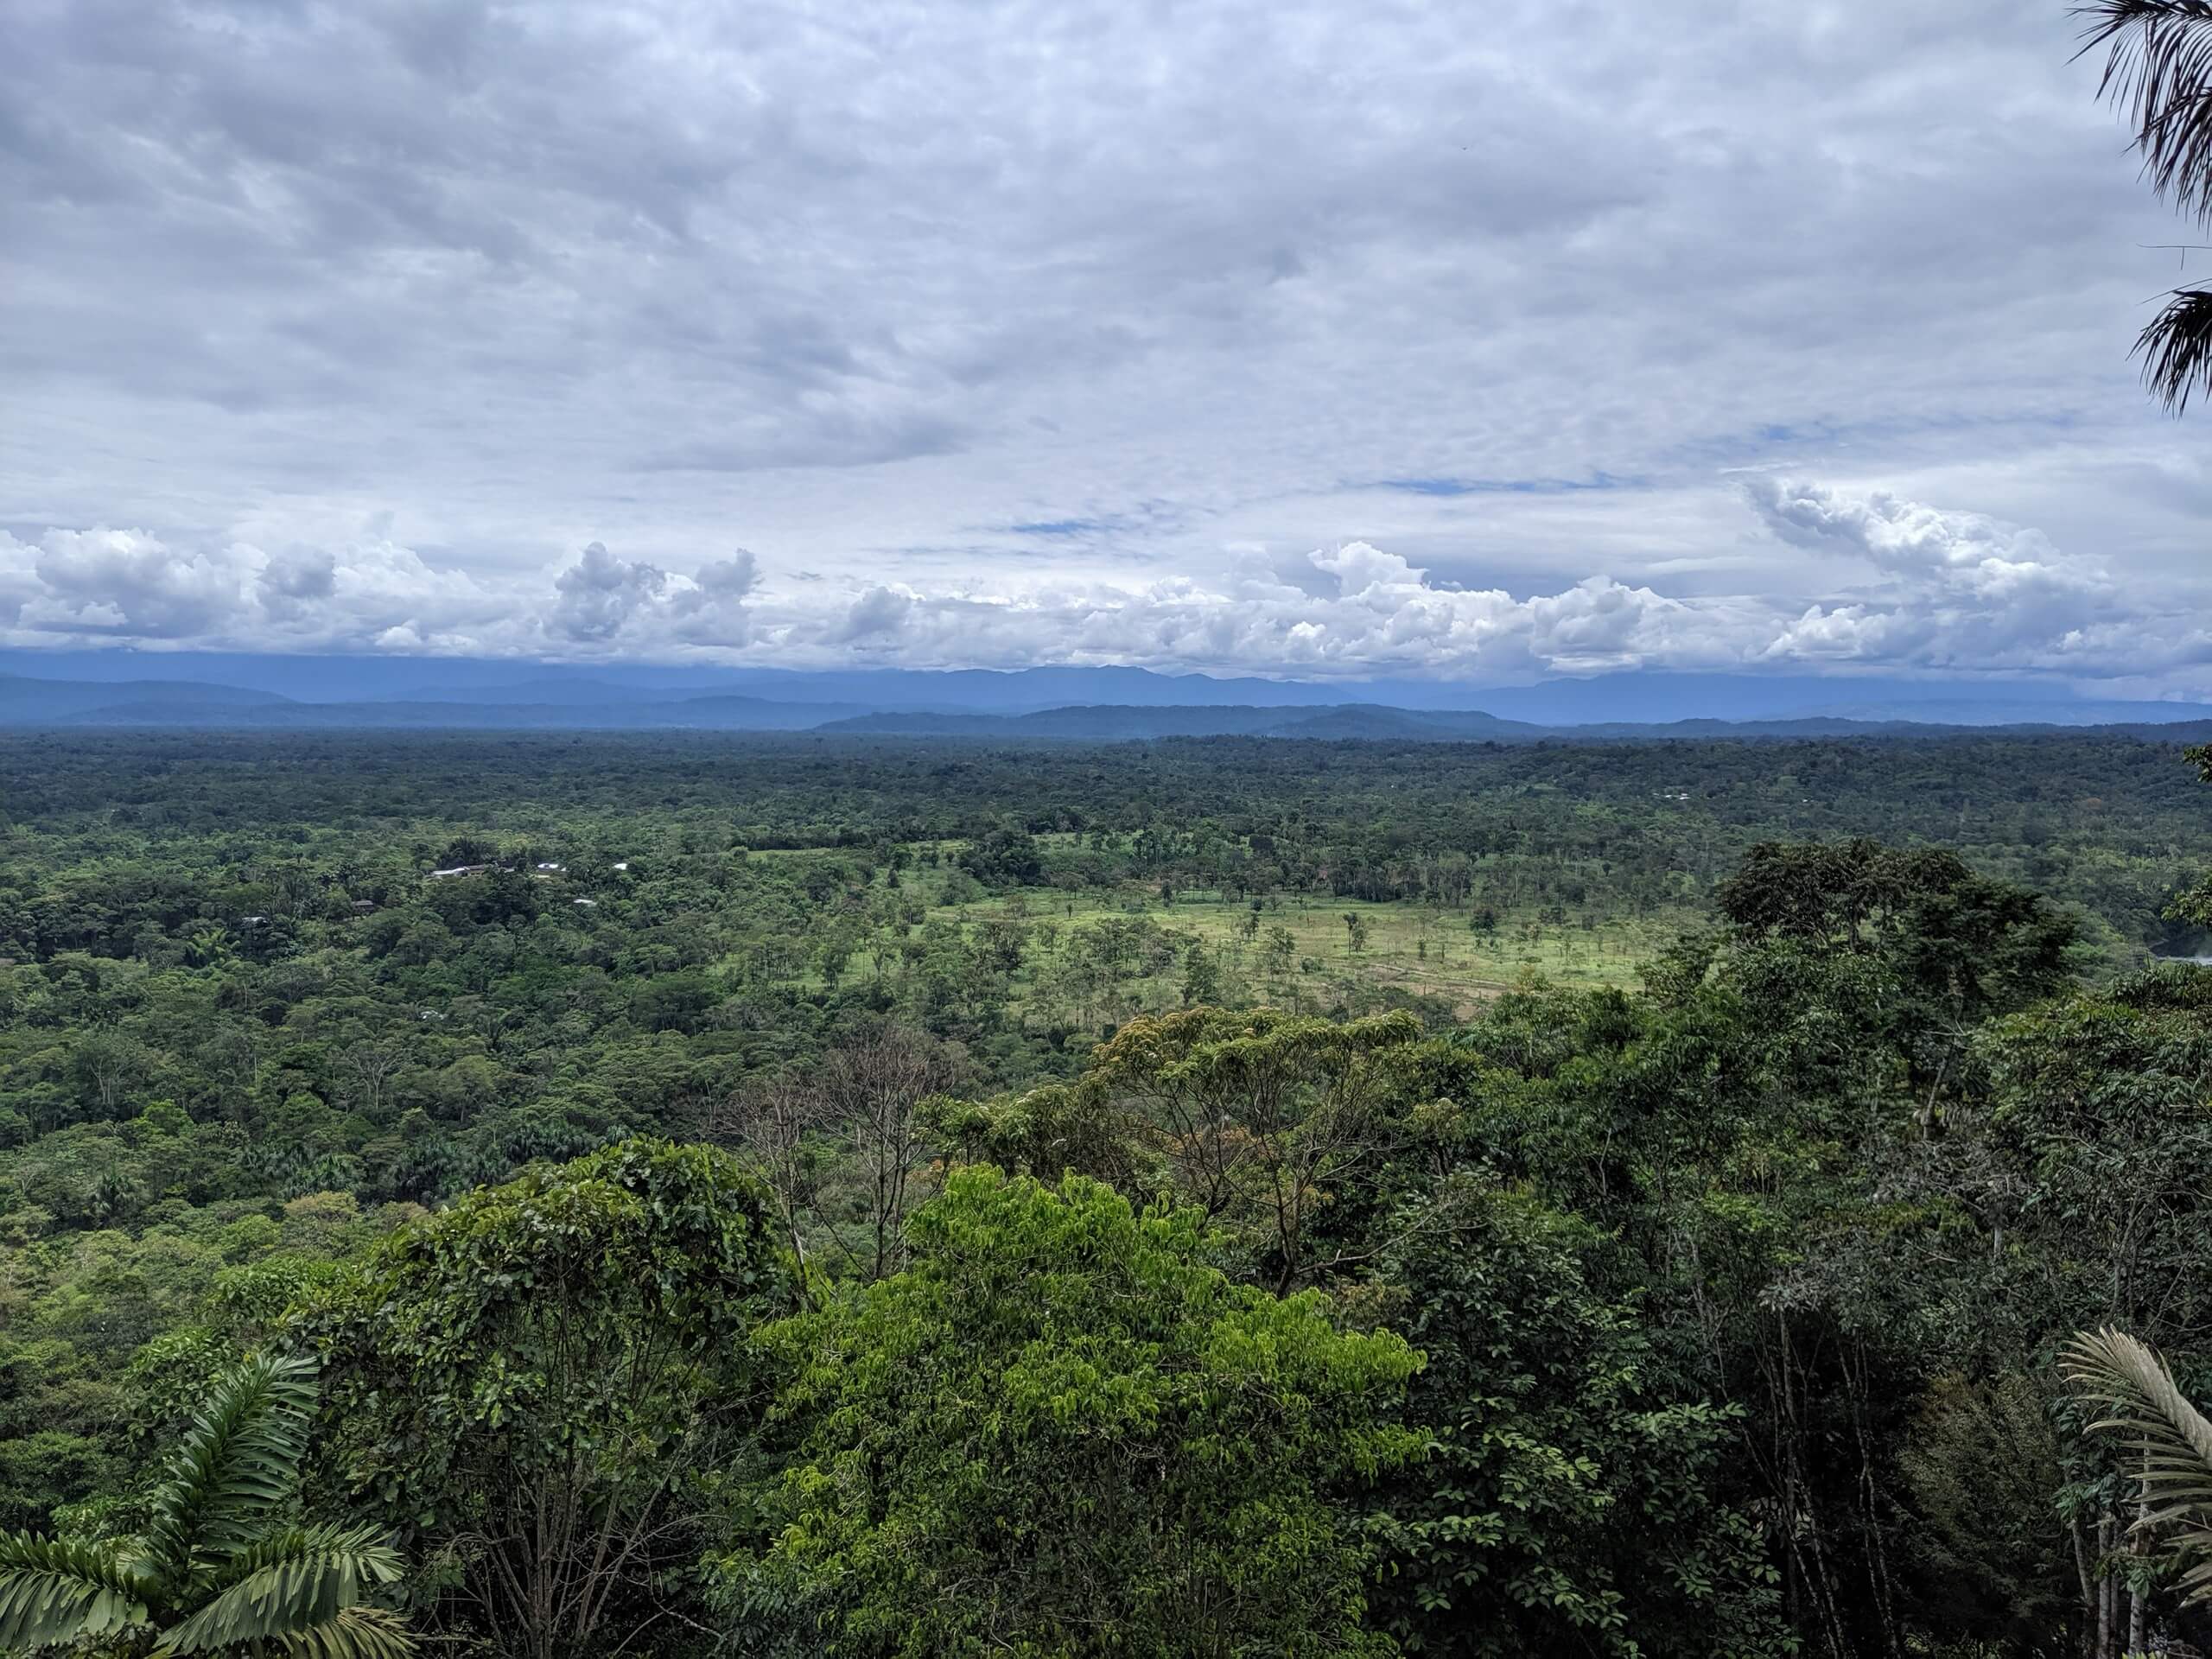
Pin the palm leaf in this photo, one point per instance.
(2176, 348)
(240, 1460)
(298, 1585)
(353, 1633)
(350, 1633)
(2126, 1377)
(2158, 70)
(55, 1592)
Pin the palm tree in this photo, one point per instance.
(2158, 69)
(220, 1569)
(2127, 1378)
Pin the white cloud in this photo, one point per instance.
(598, 592)
(1063, 329)
(290, 584)
(1962, 552)
(878, 612)
(1959, 590)
(1924, 589)
(103, 580)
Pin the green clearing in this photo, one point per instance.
(1422, 948)
(1095, 957)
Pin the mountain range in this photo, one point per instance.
(1045, 704)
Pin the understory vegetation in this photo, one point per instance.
(556, 1196)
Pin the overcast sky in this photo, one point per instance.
(1472, 341)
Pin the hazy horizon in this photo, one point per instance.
(599, 691)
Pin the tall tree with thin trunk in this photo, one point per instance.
(873, 1086)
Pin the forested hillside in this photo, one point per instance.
(672, 1195)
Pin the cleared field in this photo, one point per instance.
(1094, 955)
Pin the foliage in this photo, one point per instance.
(2159, 66)
(220, 1567)
(1569, 1504)
(1740, 1247)
(1990, 1550)
(1264, 1118)
(532, 1382)
(2170, 1442)
(1060, 1431)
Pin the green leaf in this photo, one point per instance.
(56, 1592)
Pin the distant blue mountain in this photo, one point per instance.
(197, 687)
(1125, 722)
(38, 700)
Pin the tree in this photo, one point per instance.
(208, 947)
(1262, 1119)
(2158, 69)
(1992, 1555)
(872, 1087)
(1060, 1431)
(2097, 1106)
(2194, 906)
(1568, 1504)
(220, 1568)
(109, 1066)
(1201, 979)
(534, 1381)
(1933, 946)
(772, 1124)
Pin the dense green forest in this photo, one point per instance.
(553, 1195)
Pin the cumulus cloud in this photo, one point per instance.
(1927, 587)
(731, 578)
(227, 592)
(1966, 552)
(1954, 589)
(293, 582)
(599, 592)
(879, 611)
(117, 582)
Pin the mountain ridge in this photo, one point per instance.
(192, 705)
(1634, 696)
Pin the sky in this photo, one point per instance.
(1301, 338)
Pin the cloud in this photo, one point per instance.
(729, 579)
(123, 582)
(102, 583)
(290, 584)
(879, 611)
(1077, 328)
(1925, 588)
(1965, 552)
(598, 592)
(1955, 589)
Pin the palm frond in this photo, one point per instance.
(291, 1585)
(349, 1633)
(2177, 348)
(367, 1548)
(353, 1633)
(2158, 71)
(55, 1592)
(240, 1460)
(2128, 1379)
